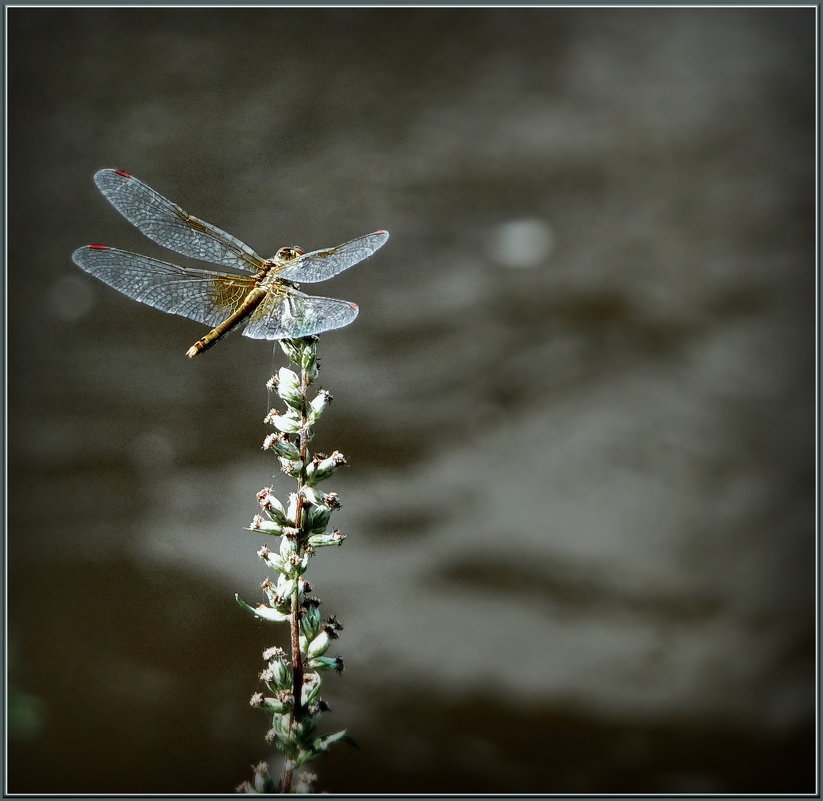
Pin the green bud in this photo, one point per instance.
(273, 704)
(315, 519)
(324, 540)
(308, 357)
(327, 663)
(311, 622)
(281, 674)
(273, 560)
(318, 646)
(313, 496)
(288, 387)
(292, 348)
(272, 506)
(319, 469)
(265, 526)
(288, 546)
(281, 725)
(282, 446)
(285, 586)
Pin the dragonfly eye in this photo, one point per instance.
(287, 254)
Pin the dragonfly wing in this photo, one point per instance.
(172, 227)
(289, 314)
(322, 264)
(200, 295)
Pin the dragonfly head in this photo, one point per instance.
(287, 254)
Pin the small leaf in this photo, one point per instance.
(263, 612)
(323, 743)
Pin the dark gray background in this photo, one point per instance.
(578, 402)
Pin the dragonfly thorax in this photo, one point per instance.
(285, 255)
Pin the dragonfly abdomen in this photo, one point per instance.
(249, 304)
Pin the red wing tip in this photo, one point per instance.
(124, 173)
(354, 306)
(99, 247)
(381, 231)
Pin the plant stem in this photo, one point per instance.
(294, 621)
(297, 660)
(285, 781)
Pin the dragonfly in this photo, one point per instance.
(266, 298)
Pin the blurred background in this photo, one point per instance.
(578, 403)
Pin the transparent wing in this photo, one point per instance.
(291, 314)
(320, 265)
(168, 225)
(200, 295)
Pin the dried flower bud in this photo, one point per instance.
(290, 467)
(332, 626)
(256, 700)
(305, 783)
(264, 495)
(275, 652)
(332, 500)
(262, 782)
